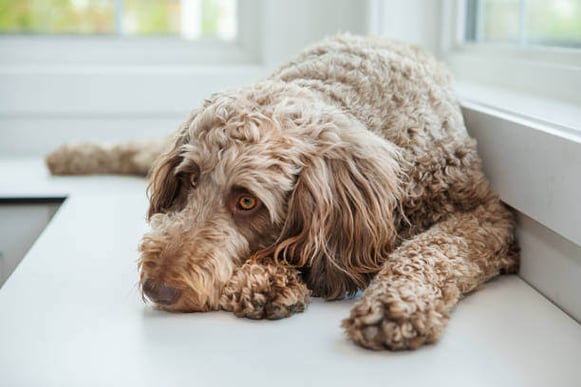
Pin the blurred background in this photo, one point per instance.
(110, 70)
(214, 19)
(525, 22)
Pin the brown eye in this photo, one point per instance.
(194, 179)
(246, 202)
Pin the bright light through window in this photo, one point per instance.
(188, 19)
(525, 22)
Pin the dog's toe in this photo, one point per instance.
(281, 309)
(257, 306)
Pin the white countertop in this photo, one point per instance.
(71, 315)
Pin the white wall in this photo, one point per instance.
(42, 108)
(291, 25)
(414, 21)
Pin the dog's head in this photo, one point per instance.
(267, 172)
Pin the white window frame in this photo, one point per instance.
(508, 66)
(131, 51)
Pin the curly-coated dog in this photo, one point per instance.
(348, 168)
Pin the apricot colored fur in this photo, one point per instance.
(366, 179)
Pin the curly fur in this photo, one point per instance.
(365, 179)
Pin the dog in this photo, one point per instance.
(348, 169)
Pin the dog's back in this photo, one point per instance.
(404, 95)
(388, 85)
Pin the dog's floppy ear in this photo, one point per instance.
(340, 221)
(163, 185)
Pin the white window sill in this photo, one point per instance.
(558, 117)
(116, 51)
(531, 152)
(531, 148)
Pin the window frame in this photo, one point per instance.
(93, 50)
(509, 66)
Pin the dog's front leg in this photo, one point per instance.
(263, 289)
(410, 300)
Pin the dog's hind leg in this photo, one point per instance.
(409, 301)
(130, 158)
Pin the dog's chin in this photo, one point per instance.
(188, 302)
(185, 308)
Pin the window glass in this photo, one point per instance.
(525, 22)
(189, 19)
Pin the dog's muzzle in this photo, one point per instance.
(161, 294)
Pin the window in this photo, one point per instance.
(46, 33)
(525, 22)
(189, 19)
(529, 46)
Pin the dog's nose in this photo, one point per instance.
(160, 293)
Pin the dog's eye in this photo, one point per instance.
(194, 179)
(246, 202)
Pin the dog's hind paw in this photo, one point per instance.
(77, 159)
(259, 290)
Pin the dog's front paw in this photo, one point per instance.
(258, 291)
(395, 320)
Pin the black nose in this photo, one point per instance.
(160, 293)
